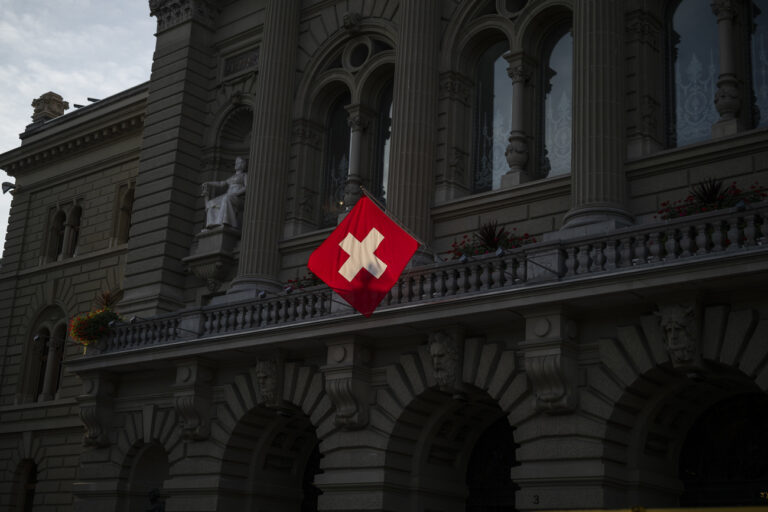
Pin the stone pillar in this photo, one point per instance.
(414, 116)
(263, 217)
(727, 99)
(598, 183)
(167, 185)
(52, 367)
(517, 150)
(359, 120)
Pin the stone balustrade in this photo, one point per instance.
(718, 234)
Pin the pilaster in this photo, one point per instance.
(414, 118)
(270, 147)
(598, 182)
(348, 381)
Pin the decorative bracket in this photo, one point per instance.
(192, 396)
(348, 381)
(551, 361)
(267, 376)
(446, 350)
(96, 408)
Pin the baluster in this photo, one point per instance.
(702, 239)
(686, 242)
(439, 290)
(611, 254)
(655, 247)
(462, 281)
(583, 259)
(733, 242)
(718, 238)
(750, 230)
(396, 292)
(428, 285)
(598, 257)
(625, 252)
(497, 273)
(484, 275)
(671, 245)
(571, 261)
(451, 281)
(641, 251)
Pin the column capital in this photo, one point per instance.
(723, 9)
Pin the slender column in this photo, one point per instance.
(414, 116)
(270, 148)
(359, 120)
(52, 365)
(517, 150)
(598, 186)
(727, 99)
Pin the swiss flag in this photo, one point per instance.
(364, 256)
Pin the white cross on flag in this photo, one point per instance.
(364, 256)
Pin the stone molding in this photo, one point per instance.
(348, 382)
(192, 396)
(170, 13)
(96, 408)
(551, 361)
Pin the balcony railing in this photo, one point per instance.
(715, 234)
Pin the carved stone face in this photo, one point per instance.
(239, 164)
(442, 350)
(266, 380)
(677, 322)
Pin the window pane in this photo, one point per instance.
(558, 108)
(381, 175)
(336, 162)
(760, 60)
(695, 66)
(493, 117)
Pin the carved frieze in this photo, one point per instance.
(551, 361)
(192, 399)
(170, 13)
(348, 382)
(96, 409)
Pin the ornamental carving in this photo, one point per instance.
(645, 29)
(307, 133)
(96, 409)
(723, 9)
(192, 400)
(444, 351)
(455, 87)
(519, 73)
(268, 378)
(347, 383)
(679, 325)
(170, 13)
(351, 22)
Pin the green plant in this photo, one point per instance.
(87, 328)
(488, 238)
(708, 195)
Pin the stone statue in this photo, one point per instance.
(445, 359)
(266, 382)
(224, 200)
(680, 336)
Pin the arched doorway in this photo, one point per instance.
(270, 463)
(147, 475)
(25, 483)
(452, 452)
(724, 460)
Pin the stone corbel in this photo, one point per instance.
(267, 376)
(681, 333)
(96, 408)
(192, 396)
(211, 259)
(348, 382)
(446, 350)
(551, 361)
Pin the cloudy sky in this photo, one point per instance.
(76, 48)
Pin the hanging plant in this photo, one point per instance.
(709, 195)
(87, 328)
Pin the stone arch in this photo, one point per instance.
(649, 404)
(538, 20)
(145, 469)
(271, 439)
(432, 432)
(466, 30)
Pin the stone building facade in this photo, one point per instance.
(614, 353)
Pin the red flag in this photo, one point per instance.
(364, 256)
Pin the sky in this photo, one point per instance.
(76, 48)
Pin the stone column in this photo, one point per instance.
(517, 150)
(359, 120)
(52, 367)
(270, 147)
(598, 183)
(727, 99)
(414, 116)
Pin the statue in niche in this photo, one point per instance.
(445, 359)
(224, 200)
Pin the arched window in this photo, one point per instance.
(694, 56)
(43, 356)
(558, 106)
(336, 162)
(124, 210)
(25, 482)
(383, 135)
(56, 236)
(492, 118)
(72, 232)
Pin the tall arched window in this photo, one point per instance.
(492, 118)
(383, 133)
(72, 235)
(56, 236)
(694, 56)
(558, 106)
(336, 165)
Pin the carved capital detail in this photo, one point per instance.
(551, 362)
(96, 408)
(723, 9)
(348, 382)
(519, 73)
(170, 13)
(681, 334)
(192, 394)
(455, 86)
